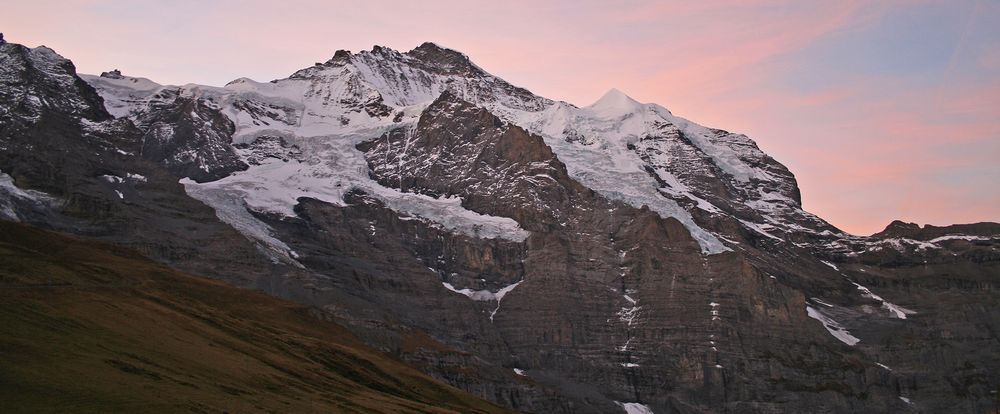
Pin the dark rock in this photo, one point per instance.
(915, 231)
(35, 81)
(444, 60)
(189, 136)
(898, 229)
(114, 74)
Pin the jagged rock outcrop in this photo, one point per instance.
(183, 132)
(459, 149)
(38, 80)
(85, 176)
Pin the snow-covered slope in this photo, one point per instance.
(598, 145)
(659, 156)
(322, 113)
(123, 95)
(625, 150)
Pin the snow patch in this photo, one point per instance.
(484, 295)
(831, 265)
(635, 408)
(137, 177)
(9, 193)
(896, 310)
(476, 295)
(113, 179)
(957, 237)
(900, 244)
(832, 326)
(821, 302)
(629, 315)
(230, 208)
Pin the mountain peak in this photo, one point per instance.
(898, 228)
(431, 49)
(431, 46)
(382, 50)
(614, 102)
(444, 60)
(340, 55)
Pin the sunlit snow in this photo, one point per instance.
(326, 109)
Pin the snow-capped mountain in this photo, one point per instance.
(638, 153)
(552, 258)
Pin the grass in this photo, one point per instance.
(90, 327)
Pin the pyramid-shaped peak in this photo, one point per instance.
(432, 47)
(614, 102)
(430, 51)
(443, 60)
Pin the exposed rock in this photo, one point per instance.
(915, 231)
(114, 74)
(39, 80)
(70, 150)
(497, 168)
(189, 136)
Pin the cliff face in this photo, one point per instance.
(546, 257)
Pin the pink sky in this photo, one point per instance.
(883, 111)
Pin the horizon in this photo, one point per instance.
(894, 133)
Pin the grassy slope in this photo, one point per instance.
(89, 327)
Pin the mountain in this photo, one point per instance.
(557, 258)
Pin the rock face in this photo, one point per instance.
(186, 134)
(546, 257)
(84, 175)
(39, 80)
(459, 149)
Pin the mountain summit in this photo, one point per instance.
(614, 103)
(546, 257)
